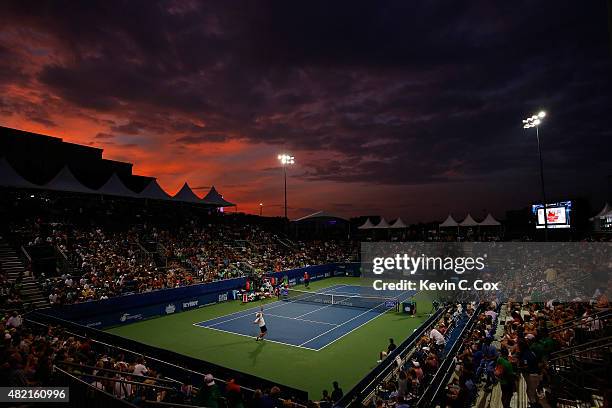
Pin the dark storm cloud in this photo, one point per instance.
(104, 136)
(398, 92)
(207, 138)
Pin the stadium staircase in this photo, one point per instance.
(286, 242)
(16, 272)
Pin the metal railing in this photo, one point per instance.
(182, 371)
(83, 394)
(365, 389)
(447, 367)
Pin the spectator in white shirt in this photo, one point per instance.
(140, 368)
(14, 321)
(438, 338)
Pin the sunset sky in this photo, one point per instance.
(393, 108)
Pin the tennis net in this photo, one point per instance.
(363, 302)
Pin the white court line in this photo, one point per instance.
(316, 310)
(256, 308)
(366, 322)
(253, 337)
(245, 313)
(362, 324)
(349, 332)
(340, 325)
(302, 320)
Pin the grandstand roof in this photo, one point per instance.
(154, 191)
(186, 194)
(214, 198)
(489, 221)
(114, 186)
(10, 178)
(65, 181)
(449, 222)
(398, 224)
(366, 225)
(468, 222)
(319, 214)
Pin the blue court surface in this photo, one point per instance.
(306, 324)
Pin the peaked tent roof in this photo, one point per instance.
(186, 194)
(449, 222)
(154, 191)
(489, 221)
(10, 178)
(366, 225)
(114, 186)
(319, 214)
(65, 181)
(382, 224)
(213, 197)
(468, 222)
(604, 211)
(398, 224)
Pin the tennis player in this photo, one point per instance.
(259, 320)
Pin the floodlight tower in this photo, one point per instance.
(286, 160)
(535, 121)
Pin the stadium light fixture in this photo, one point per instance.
(260, 209)
(535, 121)
(286, 159)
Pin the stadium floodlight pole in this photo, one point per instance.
(260, 209)
(286, 160)
(530, 122)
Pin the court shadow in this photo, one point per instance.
(253, 355)
(235, 343)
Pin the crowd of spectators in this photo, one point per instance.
(30, 351)
(529, 333)
(416, 371)
(107, 263)
(10, 292)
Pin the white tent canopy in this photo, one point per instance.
(154, 191)
(604, 211)
(10, 178)
(214, 198)
(186, 194)
(65, 181)
(449, 222)
(489, 221)
(382, 224)
(114, 186)
(398, 224)
(366, 225)
(468, 222)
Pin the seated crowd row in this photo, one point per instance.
(34, 355)
(107, 264)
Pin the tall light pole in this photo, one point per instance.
(260, 209)
(530, 122)
(286, 160)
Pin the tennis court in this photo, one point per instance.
(311, 320)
